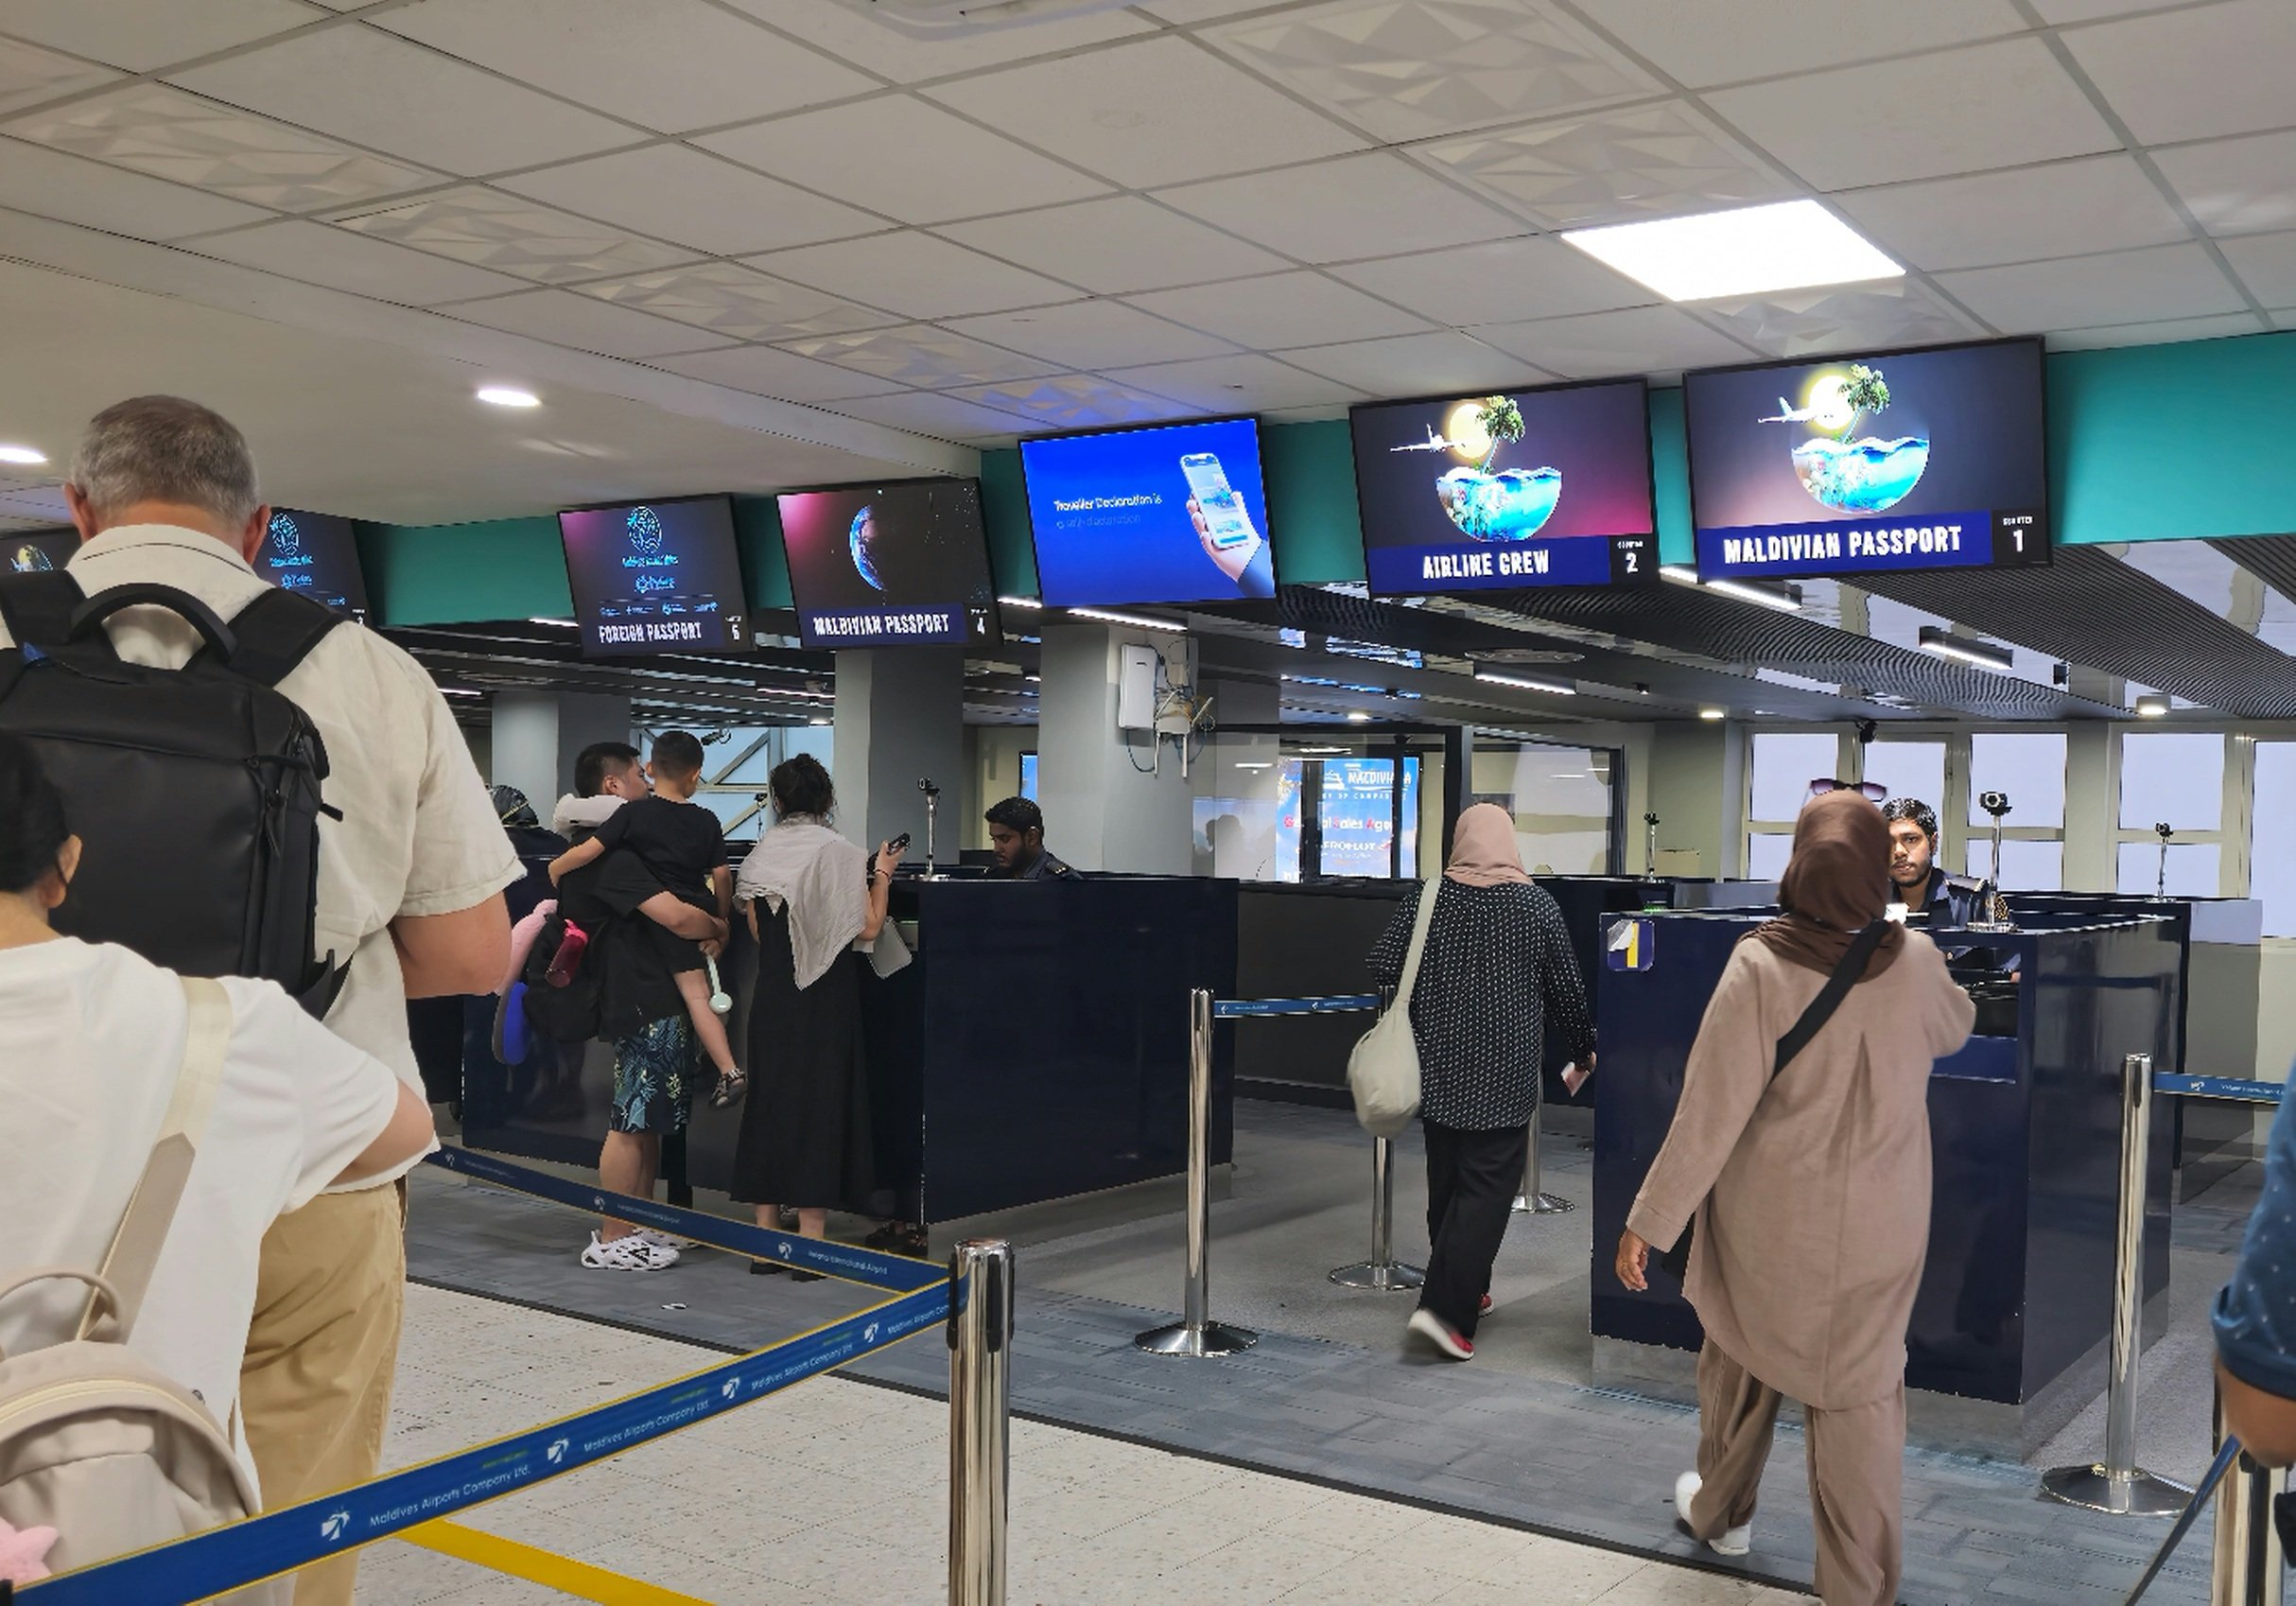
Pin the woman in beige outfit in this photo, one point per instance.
(1812, 1198)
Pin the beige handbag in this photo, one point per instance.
(1383, 1070)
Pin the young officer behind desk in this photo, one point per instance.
(1916, 880)
(1016, 830)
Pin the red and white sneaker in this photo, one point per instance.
(1486, 1307)
(1442, 1335)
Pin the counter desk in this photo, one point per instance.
(2011, 1321)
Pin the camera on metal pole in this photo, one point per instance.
(2159, 881)
(1650, 847)
(932, 810)
(1996, 906)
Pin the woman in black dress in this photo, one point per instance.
(811, 895)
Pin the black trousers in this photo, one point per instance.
(1471, 1181)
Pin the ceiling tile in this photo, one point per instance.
(1499, 283)
(518, 236)
(907, 159)
(1320, 212)
(52, 185)
(1160, 112)
(2064, 209)
(2196, 73)
(666, 64)
(1189, 13)
(1091, 334)
(2176, 329)
(905, 57)
(141, 35)
(738, 303)
(2284, 318)
(769, 372)
(319, 254)
(2267, 263)
(1075, 401)
(584, 323)
(1872, 317)
(360, 85)
(2235, 187)
(172, 134)
(920, 355)
(29, 75)
(935, 413)
(1123, 243)
(1244, 383)
(915, 274)
(1411, 365)
(1640, 340)
(674, 192)
(2092, 10)
(1611, 166)
(1408, 69)
(1703, 45)
(1283, 309)
(1999, 105)
(2124, 287)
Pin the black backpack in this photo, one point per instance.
(196, 791)
(571, 1010)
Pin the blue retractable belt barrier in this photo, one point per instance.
(1343, 1004)
(2218, 1087)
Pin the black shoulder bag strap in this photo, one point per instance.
(275, 633)
(37, 607)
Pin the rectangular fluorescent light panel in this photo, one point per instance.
(1753, 250)
(1967, 650)
(1527, 683)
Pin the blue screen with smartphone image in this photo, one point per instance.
(1171, 513)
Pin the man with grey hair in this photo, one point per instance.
(411, 880)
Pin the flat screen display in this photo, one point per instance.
(314, 553)
(653, 577)
(1355, 818)
(1545, 488)
(889, 565)
(1172, 514)
(36, 551)
(1897, 460)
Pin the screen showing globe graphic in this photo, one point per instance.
(862, 539)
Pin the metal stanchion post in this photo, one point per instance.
(1196, 1334)
(2247, 1569)
(1532, 1201)
(2117, 1484)
(1383, 1271)
(980, 1422)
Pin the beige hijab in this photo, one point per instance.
(1483, 850)
(1835, 884)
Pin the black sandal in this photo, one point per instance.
(731, 1085)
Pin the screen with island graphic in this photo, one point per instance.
(1542, 487)
(36, 551)
(891, 564)
(1908, 460)
(316, 554)
(656, 577)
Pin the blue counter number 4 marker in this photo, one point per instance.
(1632, 945)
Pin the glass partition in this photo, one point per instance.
(1562, 798)
(1304, 803)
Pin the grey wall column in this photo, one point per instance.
(536, 735)
(900, 718)
(1103, 808)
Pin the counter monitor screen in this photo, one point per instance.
(314, 553)
(1544, 487)
(888, 566)
(36, 551)
(1172, 513)
(655, 577)
(1913, 460)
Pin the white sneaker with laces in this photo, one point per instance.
(631, 1251)
(663, 1241)
(1730, 1542)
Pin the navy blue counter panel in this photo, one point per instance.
(2025, 1144)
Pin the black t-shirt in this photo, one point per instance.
(680, 843)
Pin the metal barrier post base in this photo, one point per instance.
(1213, 1339)
(1541, 1204)
(2095, 1489)
(1391, 1277)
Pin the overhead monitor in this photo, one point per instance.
(1911, 460)
(1174, 513)
(654, 577)
(1540, 487)
(316, 554)
(35, 551)
(891, 564)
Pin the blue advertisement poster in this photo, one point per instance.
(1357, 814)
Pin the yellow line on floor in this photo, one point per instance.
(552, 1571)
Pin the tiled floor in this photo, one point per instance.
(834, 1494)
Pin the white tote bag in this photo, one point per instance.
(1383, 1070)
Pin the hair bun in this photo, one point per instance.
(32, 826)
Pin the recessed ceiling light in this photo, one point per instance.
(505, 395)
(1714, 713)
(1784, 597)
(22, 454)
(1527, 683)
(560, 623)
(2151, 708)
(1680, 573)
(1356, 716)
(1138, 621)
(1967, 650)
(1018, 603)
(818, 721)
(1754, 250)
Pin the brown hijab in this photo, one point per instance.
(1835, 884)
(1483, 850)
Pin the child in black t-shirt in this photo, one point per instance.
(680, 843)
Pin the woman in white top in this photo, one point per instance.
(91, 1042)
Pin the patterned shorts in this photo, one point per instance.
(653, 1072)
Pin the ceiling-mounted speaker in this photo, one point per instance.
(942, 19)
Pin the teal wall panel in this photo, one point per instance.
(454, 573)
(1670, 478)
(765, 567)
(1004, 509)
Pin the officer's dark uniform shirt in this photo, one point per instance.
(1045, 868)
(1952, 900)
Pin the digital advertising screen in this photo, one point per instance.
(1908, 460)
(1543, 487)
(1356, 817)
(1171, 513)
(889, 565)
(654, 577)
(36, 551)
(314, 553)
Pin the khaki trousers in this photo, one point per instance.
(315, 1388)
(1857, 1478)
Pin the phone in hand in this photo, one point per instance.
(1225, 522)
(899, 844)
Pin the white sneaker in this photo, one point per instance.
(1730, 1542)
(631, 1251)
(663, 1241)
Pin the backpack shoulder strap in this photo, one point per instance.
(38, 608)
(276, 632)
(1846, 975)
(134, 1252)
